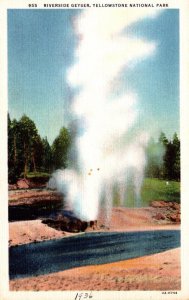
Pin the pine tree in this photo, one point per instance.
(30, 140)
(60, 149)
(47, 156)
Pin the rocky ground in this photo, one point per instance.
(33, 197)
(155, 272)
(28, 183)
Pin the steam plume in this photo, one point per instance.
(108, 153)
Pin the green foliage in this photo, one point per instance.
(29, 154)
(152, 189)
(162, 139)
(155, 152)
(15, 155)
(60, 149)
(47, 160)
(158, 189)
(31, 143)
(38, 175)
(176, 163)
(164, 158)
(172, 159)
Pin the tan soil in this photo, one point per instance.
(131, 219)
(25, 232)
(123, 219)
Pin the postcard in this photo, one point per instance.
(94, 159)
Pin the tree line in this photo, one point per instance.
(164, 158)
(28, 152)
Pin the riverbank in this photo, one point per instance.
(123, 220)
(154, 272)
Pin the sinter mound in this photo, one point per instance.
(70, 224)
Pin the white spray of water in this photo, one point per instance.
(108, 154)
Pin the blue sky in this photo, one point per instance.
(41, 46)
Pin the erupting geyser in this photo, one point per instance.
(110, 147)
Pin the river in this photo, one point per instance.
(87, 249)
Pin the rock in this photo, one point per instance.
(93, 224)
(167, 210)
(12, 187)
(159, 216)
(160, 203)
(167, 204)
(23, 184)
(176, 206)
(175, 217)
(70, 224)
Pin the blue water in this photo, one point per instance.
(87, 249)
